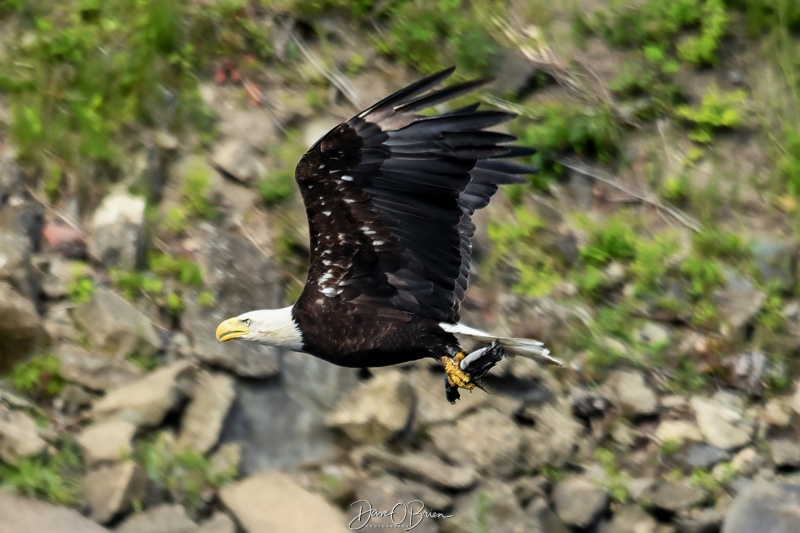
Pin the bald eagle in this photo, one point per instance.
(389, 196)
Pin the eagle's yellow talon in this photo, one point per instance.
(455, 376)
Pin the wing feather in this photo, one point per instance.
(390, 196)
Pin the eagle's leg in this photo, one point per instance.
(455, 376)
(465, 371)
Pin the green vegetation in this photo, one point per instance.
(151, 284)
(648, 84)
(52, 477)
(196, 200)
(669, 447)
(662, 24)
(615, 240)
(713, 482)
(145, 363)
(553, 474)
(83, 72)
(38, 377)
(206, 299)
(484, 505)
(135, 284)
(562, 128)
(440, 32)
(279, 184)
(81, 289)
(183, 475)
(616, 479)
(195, 191)
(536, 270)
(185, 270)
(717, 110)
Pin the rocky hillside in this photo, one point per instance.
(146, 192)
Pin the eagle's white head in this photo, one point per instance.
(274, 327)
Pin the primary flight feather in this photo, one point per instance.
(389, 196)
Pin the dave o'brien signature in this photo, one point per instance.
(402, 514)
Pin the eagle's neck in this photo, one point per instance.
(276, 327)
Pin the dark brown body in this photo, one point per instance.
(389, 196)
(360, 341)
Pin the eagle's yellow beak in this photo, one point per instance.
(231, 329)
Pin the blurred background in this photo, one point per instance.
(147, 152)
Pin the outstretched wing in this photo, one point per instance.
(390, 196)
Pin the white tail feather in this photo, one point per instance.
(515, 346)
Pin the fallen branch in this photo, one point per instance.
(645, 197)
(336, 79)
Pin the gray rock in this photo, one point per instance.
(24, 218)
(721, 421)
(226, 459)
(630, 519)
(377, 410)
(161, 519)
(273, 502)
(701, 455)
(241, 275)
(738, 303)
(255, 127)
(541, 518)
(323, 383)
(527, 488)
(490, 507)
(145, 402)
(796, 398)
(652, 334)
(19, 437)
(26, 515)
(579, 502)
(776, 263)
(15, 264)
(116, 235)
(74, 399)
(674, 496)
(766, 508)
(275, 429)
(553, 437)
(785, 453)
(166, 141)
(95, 371)
(59, 274)
(777, 413)
(628, 389)
(678, 431)
(487, 439)
(706, 520)
(241, 358)
(107, 441)
(432, 407)
(747, 461)
(20, 327)
(239, 161)
(116, 327)
(747, 370)
(218, 523)
(110, 490)
(58, 323)
(212, 396)
(427, 469)
(408, 499)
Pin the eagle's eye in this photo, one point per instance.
(247, 322)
